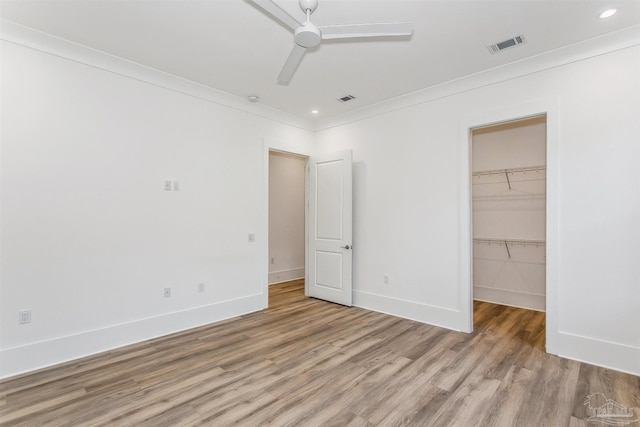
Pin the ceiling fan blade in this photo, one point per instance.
(365, 30)
(279, 13)
(292, 63)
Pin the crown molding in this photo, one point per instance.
(28, 37)
(44, 42)
(611, 42)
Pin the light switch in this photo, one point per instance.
(176, 185)
(167, 186)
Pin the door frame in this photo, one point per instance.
(280, 146)
(550, 108)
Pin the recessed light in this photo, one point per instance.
(253, 98)
(314, 111)
(607, 13)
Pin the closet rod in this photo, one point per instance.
(510, 170)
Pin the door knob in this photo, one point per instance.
(346, 247)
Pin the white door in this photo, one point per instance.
(329, 229)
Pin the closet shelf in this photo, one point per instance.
(507, 171)
(507, 242)
(516, 242)
(532, 184)
(510, 197)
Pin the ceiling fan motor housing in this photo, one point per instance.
(307, 35)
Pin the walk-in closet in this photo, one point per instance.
(509, 213)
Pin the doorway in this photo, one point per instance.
(327, 225)
(286, 229)
(509, 212)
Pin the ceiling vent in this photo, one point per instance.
(506, 44)
(346, 98)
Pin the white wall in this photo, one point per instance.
(89, 236)
(286, 217)
(513, 209)
(411, 213)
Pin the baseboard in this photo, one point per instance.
(286, 275)
(609, 355)
(509, 297)
(30, 357)
(424, 313)
(583, 349)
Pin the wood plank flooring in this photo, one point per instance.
(305, 362)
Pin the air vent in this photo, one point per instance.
(506, 44)
(346, 98)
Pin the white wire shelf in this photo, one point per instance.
(513, 242)
(508, 242)
(507, 171)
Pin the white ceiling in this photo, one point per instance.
(233, 46)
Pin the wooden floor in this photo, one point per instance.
(305, 362)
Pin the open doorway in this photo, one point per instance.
(286, 220)
(508, 170)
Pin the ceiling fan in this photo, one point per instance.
(308, 35)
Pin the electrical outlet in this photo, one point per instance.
(167, 292)
(176, 185)
(24, 316)
(386, 279)
(252, 237)
(167, 186)
(201, 287)
(273, 260)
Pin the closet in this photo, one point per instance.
(509, 213)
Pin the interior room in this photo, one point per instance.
(286, 217)
(466, 236)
